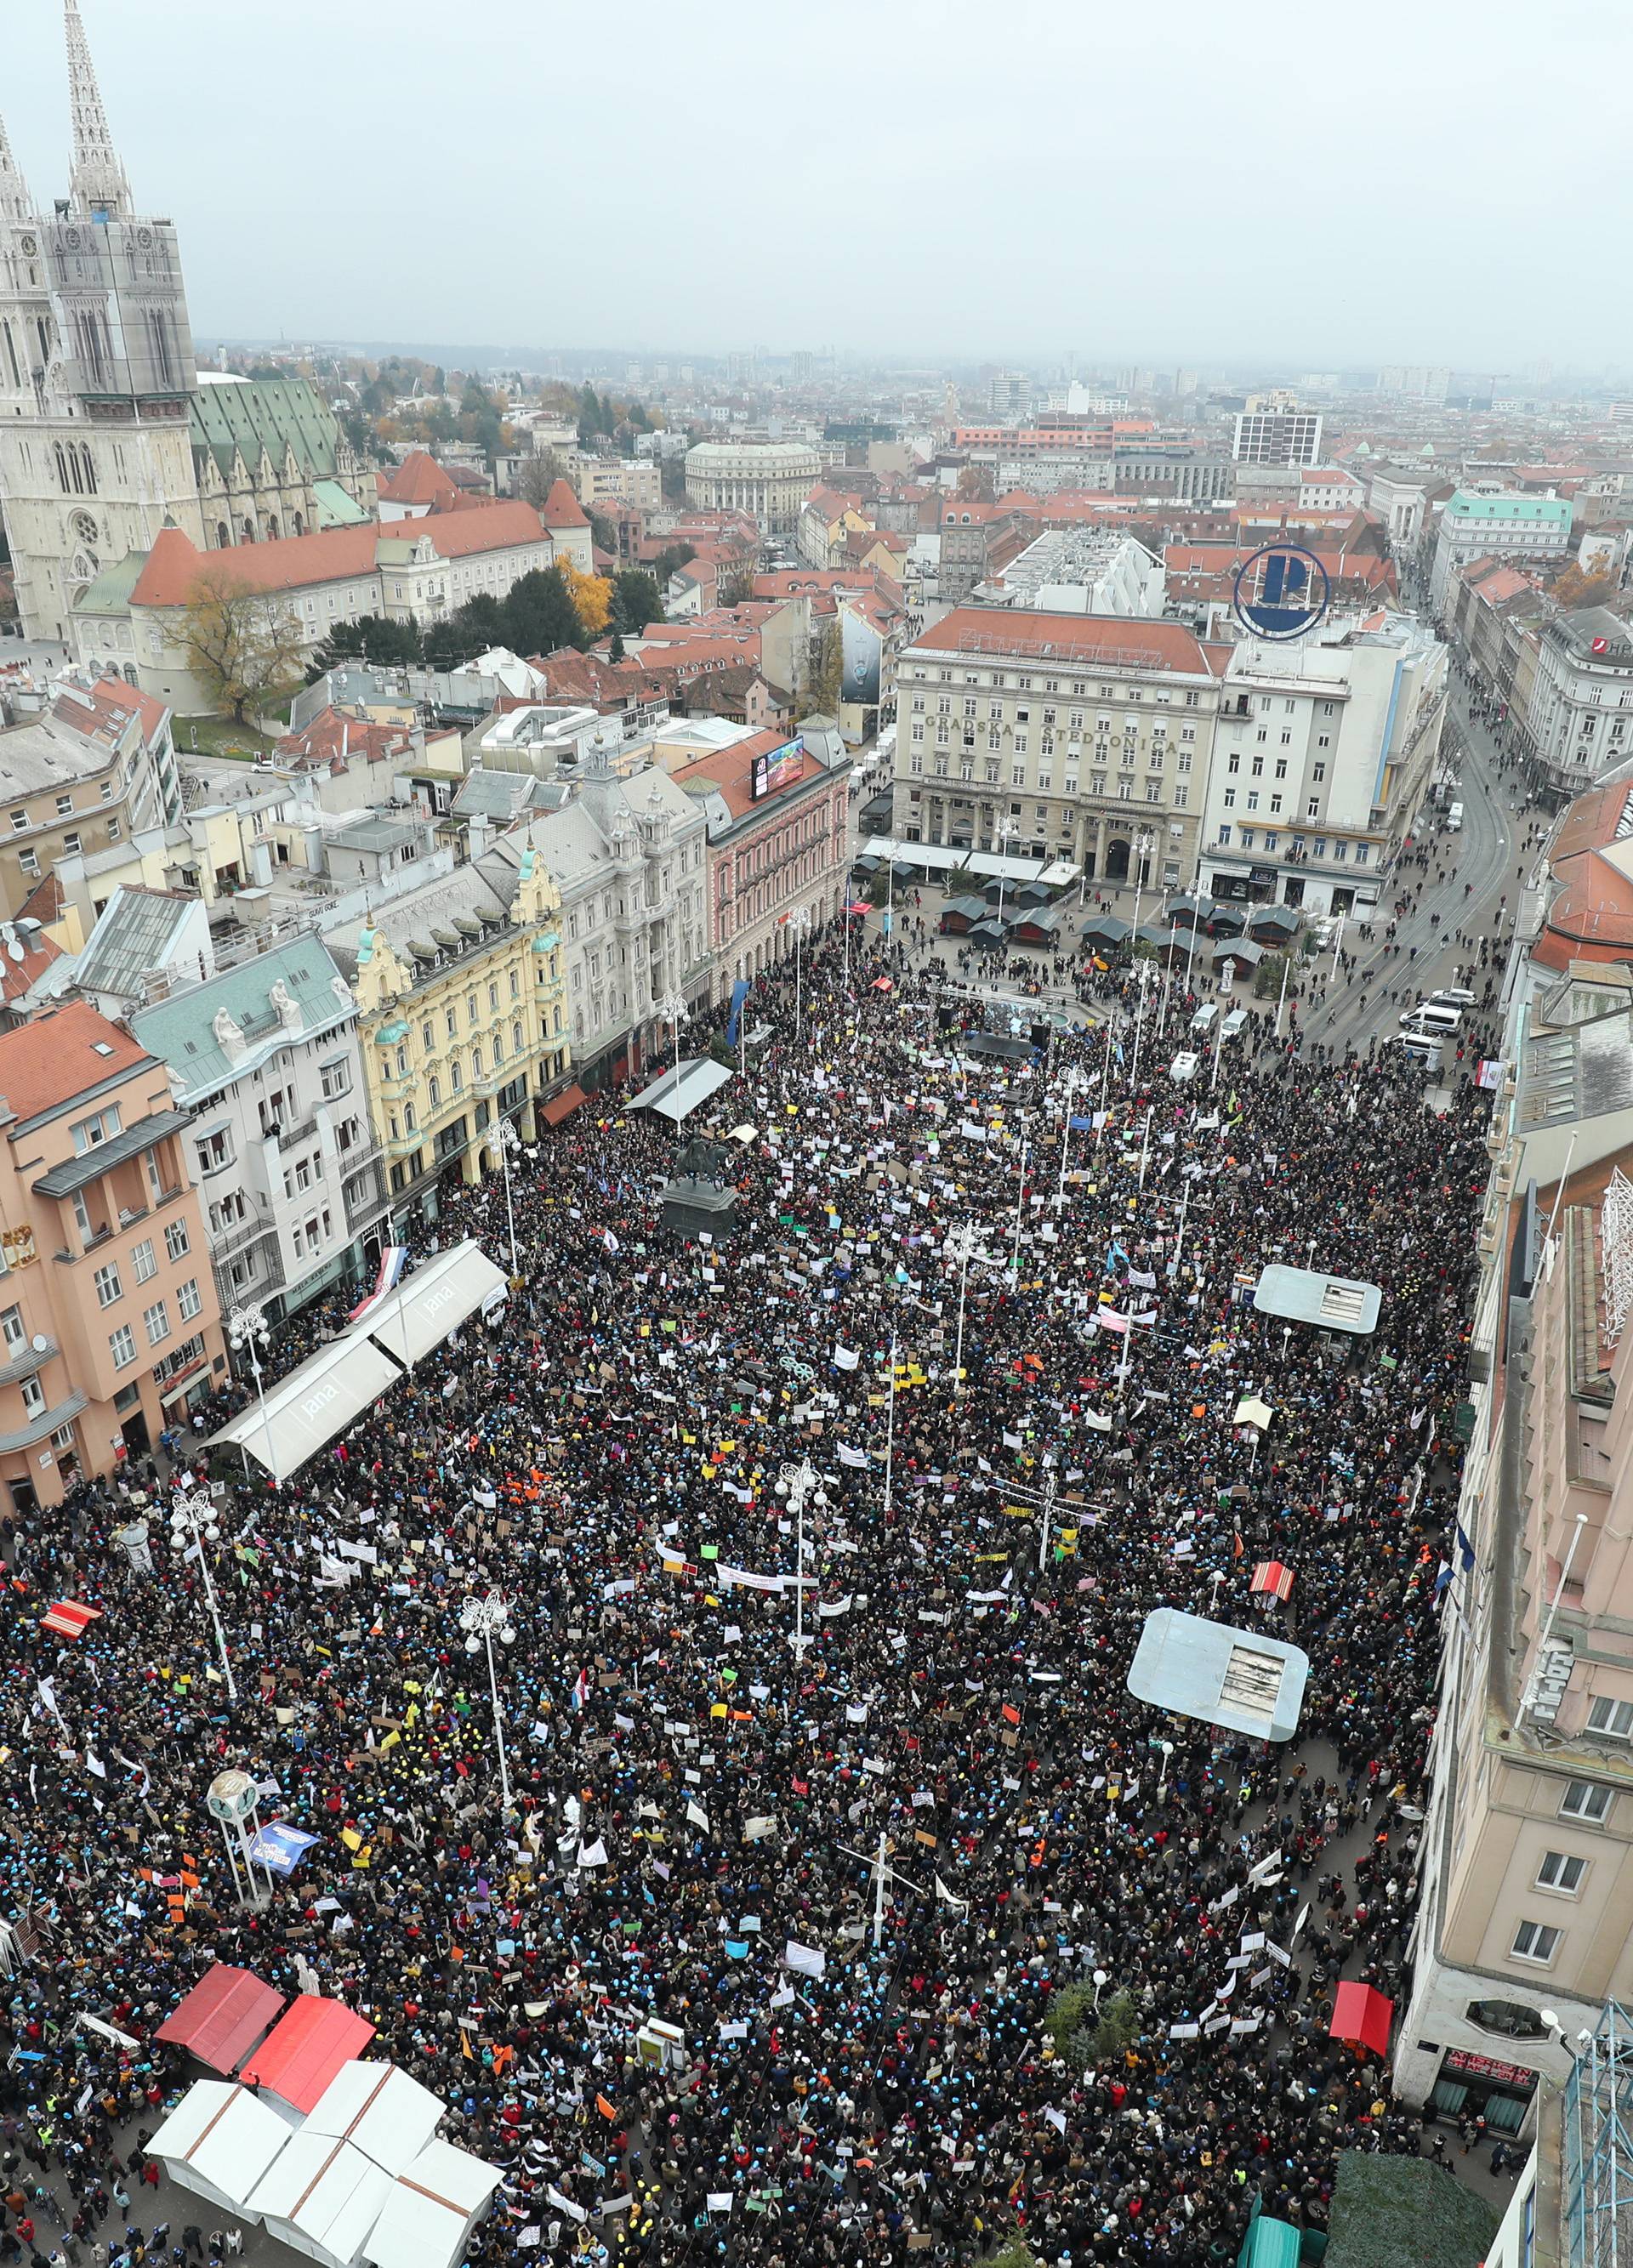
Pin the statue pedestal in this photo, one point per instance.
(691, 1206)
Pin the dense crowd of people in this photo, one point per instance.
(1081, 2007)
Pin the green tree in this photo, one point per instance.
(371, 638)
(635, 601)
(615, 651)
(673, 556)
(539, 475)
(539, 616)
(243, 646)
(471, 629)
(603, 534)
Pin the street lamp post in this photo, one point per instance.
(964, 1245)
(196, 1516)
(1144, 844)
(672, 1010)
(479, 1617)
(1072, 1083)
(800, 923)
(1020, 1207)
(1004, 832)
(509, 1140)
(247, 1334)
(799, 1484)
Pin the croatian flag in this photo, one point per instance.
(581, 1690)
(393, 1261)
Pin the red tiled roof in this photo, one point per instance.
(38, 953)
(53, 1058)
(728, 768)
(419, 479)
(562, 508)
(333, 736)
(116, 702)
(174, 564)
(1161, 646)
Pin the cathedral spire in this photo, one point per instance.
(98, 181)
(15, 202)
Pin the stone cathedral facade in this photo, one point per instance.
(108, 430)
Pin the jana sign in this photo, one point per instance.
(1281, 592)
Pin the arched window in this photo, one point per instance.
(223, 535)
(61, 470)
(272, 530)
(84, 451)
(249, 531)
(301, 525)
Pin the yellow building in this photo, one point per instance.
(462, 1021)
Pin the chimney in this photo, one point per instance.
(479, 834)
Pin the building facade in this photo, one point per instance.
(106, 432)
(109, 1321)
(265, 1058)
(90, 773)
(1277, 437)
(1496, 524)
(462, 1021)
(1526, 1915)
(418, 570)
(1323, 757)
(1577, 720)
(1078, 737)
(777, 816)
(769, 480)
(628, 858)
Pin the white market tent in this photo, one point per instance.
(322, 2197)
(431, 2209)
(220, 2141)
(682, 1088)
(380, 2110)
(306, 1411)
(308, 1407)
(430, 1304)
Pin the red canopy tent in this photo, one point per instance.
(68, 1619)
(225, 2018)
(306, 2050)
(1271, 1576)
(1363, 2017)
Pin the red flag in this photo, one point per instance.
(1012, 1715)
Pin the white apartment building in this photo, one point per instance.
(1493, 523)
(1578, 716)
(1524, 1923)
(265, 1056)
(629, 857)
(1277, 437)
(1057, 736)
(1322, 756)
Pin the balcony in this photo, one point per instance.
(75, 1173)
(40, 1428)
(291, 1137)
(28, 1360)
(240, 1238)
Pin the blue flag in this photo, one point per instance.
(739, 994)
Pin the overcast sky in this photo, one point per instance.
(1418, 180)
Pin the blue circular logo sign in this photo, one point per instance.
(1281, 592)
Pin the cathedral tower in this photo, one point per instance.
(97, 372)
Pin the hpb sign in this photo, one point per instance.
(1281, 592)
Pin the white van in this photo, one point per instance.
(1204, 1018)
(1455, 819)
(1429, 1017)
(1183, 1068)
(1234, 1023)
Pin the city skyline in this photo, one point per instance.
(1144, 259)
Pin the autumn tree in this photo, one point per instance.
(975, 484)
(1581, 587)
(822, 694)
(243, 646)
(591, 596)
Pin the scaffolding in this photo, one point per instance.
(1598, 2151)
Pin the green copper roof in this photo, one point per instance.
(266, 413)
(335, 507)
(180, 1031)
(110, 593)
(1497, 508)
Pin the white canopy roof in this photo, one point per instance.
(323, 2198)
(308, 1407)
(682, 1088)
(430, 1303)
(219, 2141)
(378, 2109)
(431, 2209)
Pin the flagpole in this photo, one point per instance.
(1066, 1135)
(1106, 1086)
(890, 1429)
(1020, 1203)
